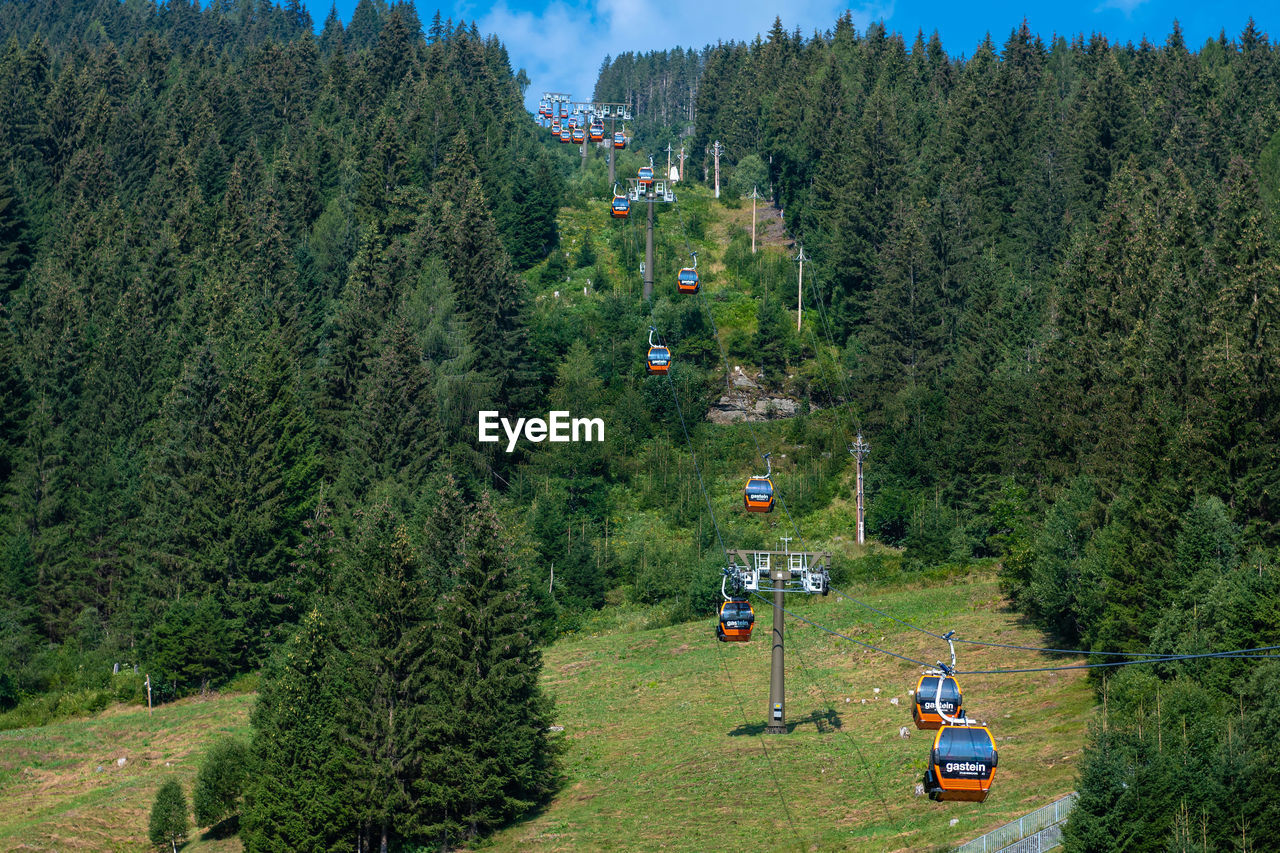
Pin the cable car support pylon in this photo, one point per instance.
(779, 572)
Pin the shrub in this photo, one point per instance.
(220, 781)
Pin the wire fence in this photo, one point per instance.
(1032, 833)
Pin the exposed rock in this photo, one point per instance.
(120, 762)
(904, 732)
(919, 789)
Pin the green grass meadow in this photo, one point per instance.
(662, 738)
(662, 729)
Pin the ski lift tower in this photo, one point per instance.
(614, 113)
(659, 191)
(779, 572)
(556, 99)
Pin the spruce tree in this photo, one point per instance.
(301, 795)
(487, 755)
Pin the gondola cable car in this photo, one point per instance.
(620, 139)
(621, 205)
(597, 131)
(658, 361)
(962, 763)
(645, 174)
(938, 693)
(687, 279)
(736, 618)
(757, 495)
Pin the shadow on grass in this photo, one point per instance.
(826, 721)
(222, 830)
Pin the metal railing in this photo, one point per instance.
(1045, 839)
(1032, 833)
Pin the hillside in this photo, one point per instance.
(62, 789)
(660, 728)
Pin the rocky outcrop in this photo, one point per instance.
(745, 400)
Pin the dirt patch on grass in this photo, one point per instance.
(576, 666)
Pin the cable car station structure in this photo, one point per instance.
(559, 106)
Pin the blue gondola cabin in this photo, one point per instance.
(687, 280)
(925, 709)
(658, 361)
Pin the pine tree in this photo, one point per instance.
(15, 250)
(301, 795)
(487, 757)
(386, 607)
(169, 821)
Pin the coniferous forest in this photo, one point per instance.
(258, 277)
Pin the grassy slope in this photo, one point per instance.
(661, 728)
(53, 797)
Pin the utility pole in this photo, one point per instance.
(800, 289)
(682, 156)
(716, 150)
(148, 694)
(668, 174)
(860, 449)
(755, 196)
(782, 571)
(776, 724)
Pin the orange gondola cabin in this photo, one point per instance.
(658, 361)
(925, 709)
(597, 132)
(962, 764)
(757, 496)
(621, 207)
(687, 280)
(736, 619)
(646, 176)
(578, 135)
(564, 135)
(619, 140)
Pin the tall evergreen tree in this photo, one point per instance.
(487, 756)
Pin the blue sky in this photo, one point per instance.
(561, 43)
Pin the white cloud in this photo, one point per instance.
(1125, 6)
